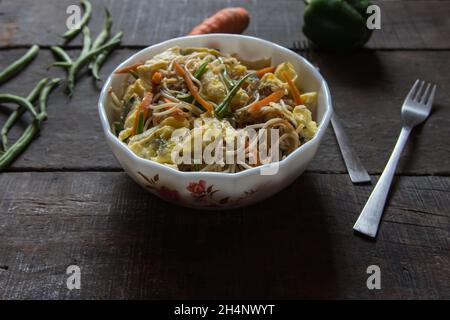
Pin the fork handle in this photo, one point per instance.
(370, 216)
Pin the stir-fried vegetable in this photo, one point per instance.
(260, 73)
(201, 70)
(156, 78)
(222, 109)
(130, 68)
(274, 97)
(143, 111)
(182, 73)
(293, 88)
(226, 79)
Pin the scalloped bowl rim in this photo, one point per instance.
(198, 174)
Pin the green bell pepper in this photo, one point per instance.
(337, 24)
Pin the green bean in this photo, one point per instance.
(19, 64)
(27, 136)
(101, 38)
(15, 115)
(104, 34)
(84, 20)
(23, 104)
(19, 101)
(59, 52)
(30, 132)
(65, 65)
(81, 61)
(43, 96)
(34, 94)
(101, 58)
(86, 41)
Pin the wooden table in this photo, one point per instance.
(66, 200)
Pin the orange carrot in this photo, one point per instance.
(294, 90)
(156, 78)
(167, 100)
(263, 71)
(143, 107)
(191, 87)
(228, 20)
(277, 95)
(129, 68)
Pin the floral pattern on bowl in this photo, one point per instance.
(199, 191)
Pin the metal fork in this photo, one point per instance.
(355, 168)
(415, 110)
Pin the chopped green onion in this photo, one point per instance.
(222, 108)
(201, 70)
(226, 79)
(117, 127)
(140, 126)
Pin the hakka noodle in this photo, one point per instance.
(211, 97)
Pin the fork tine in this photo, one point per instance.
(431, 97)
(425, 93)
(419, 91)
(413, 91)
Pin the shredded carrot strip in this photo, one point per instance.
(294, 90)
(156, 78)
(167, 100)
(263, 71)
(129, 68)
(143, 107)
(191, 87)
(277, 95)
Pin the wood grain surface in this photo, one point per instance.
(294, 245)
(405, 24)
(66, 200)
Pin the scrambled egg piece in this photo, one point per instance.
(138, 87)
(234, 68)
(306, 127)
(213, 88)
(270, 83)
(153, 144)
(159, 61)
(309, 99)
(288, 68)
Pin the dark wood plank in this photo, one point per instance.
(368, 89)
(294, 245)
(405, 24)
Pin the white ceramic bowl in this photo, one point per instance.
(213, 190)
